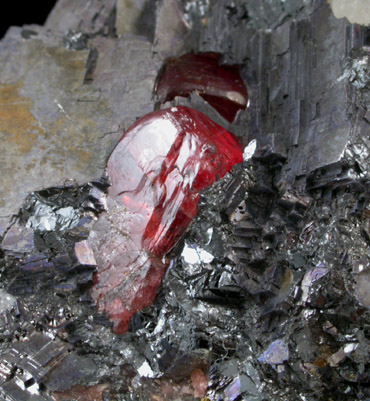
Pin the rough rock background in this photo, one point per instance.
(67, 98)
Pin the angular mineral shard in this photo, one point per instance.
(233, 390)
(84, 253)
(193, 254)
(156, 171)
(219, 85)
(18, 239)
(276, 353)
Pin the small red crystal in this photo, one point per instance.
(156, 172)
(219, 85)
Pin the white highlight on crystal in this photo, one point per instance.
(6, 301)
(236, 97)
(145, 370)
(34, 389)
(209, 235)
(193, 254)
(249, 150)
(350, 348)
(46, 218)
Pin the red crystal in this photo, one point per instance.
(219, 85)
(156, 171)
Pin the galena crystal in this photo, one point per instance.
(219, 85)
(156, 171)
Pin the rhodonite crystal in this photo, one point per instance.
(156, 171)
(219, 85)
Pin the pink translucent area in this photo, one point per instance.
(199, 382)
(156, 172)
(219, 85)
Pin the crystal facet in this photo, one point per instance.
(156, 171)
(219, 85)
(159, 167)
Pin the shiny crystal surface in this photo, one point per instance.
(268, 294)
(156, 171)
(159, 167)
(219, 85)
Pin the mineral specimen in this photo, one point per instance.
(156, 171)
(220, 85)
(269, 297)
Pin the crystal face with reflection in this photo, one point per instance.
(219, 85)
(156, 171)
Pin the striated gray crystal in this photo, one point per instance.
(296, 84)
(42, 360)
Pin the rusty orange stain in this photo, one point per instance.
(17, 124)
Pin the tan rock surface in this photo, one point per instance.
(356, 11)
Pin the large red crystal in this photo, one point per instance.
(219, 85)
(156, 172)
